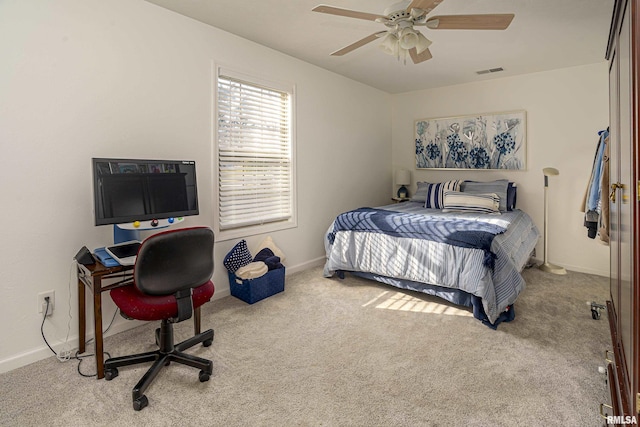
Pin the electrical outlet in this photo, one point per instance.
(42, 303)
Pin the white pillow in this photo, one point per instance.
(268, 243)
(455, 201)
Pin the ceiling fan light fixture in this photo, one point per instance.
(389, 44)
(408, 38)
(423, 43)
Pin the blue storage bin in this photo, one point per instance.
(254, 290)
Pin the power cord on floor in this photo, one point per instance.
(81, 358)
(65, 355)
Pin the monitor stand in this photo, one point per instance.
(129, 231)
(121, 235)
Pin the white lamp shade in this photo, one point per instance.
(423, 43)
(389, 44)
(398, 44)
(408, 38)
(403, 177)
(550, 171)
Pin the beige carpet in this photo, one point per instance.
(328, 352)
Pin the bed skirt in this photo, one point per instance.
(454, 296)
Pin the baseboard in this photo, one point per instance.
(579, 269)
(221, 293)
(306, 265)
(43, 351)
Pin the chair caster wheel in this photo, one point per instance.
(140, 403)
(110, 373)
(207, 343)
(203, 376)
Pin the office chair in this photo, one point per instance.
(172, 277)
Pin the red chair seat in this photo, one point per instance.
(139, 306)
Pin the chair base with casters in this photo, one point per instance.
(167, 353)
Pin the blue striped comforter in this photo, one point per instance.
(445, 229)
(438, 262)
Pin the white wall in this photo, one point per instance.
(125, 78)
(565, 109)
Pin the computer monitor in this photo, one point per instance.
(143, 194)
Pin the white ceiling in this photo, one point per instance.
(544, 35)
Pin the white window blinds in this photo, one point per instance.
(254, 154)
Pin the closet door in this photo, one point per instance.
(623, 216)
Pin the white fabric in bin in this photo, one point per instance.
(252, 270)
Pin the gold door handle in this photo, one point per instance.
(603, 413)
(614, 187)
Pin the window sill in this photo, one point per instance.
(242, 232)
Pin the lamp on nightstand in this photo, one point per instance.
(547, 266)
(403, 177)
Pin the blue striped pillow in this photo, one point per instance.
(435, 193)
(464, 202)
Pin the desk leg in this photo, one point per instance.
(97, 319)
(82, 316)
(196, 321)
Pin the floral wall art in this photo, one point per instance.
(487, 141)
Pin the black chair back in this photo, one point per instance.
(174, 260)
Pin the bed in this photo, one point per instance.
(468, 257)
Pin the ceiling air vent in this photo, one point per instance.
(490, 70)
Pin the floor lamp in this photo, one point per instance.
(547, 266)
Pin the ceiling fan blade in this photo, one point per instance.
(359, 43)
(419, 57)
(426, 5)
(498, 21)
(346, 12)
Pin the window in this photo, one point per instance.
(254, 156)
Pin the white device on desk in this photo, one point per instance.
(125, 253)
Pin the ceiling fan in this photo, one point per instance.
(401, 38)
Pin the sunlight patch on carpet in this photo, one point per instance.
(403, 302)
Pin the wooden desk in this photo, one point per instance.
(91, 276)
